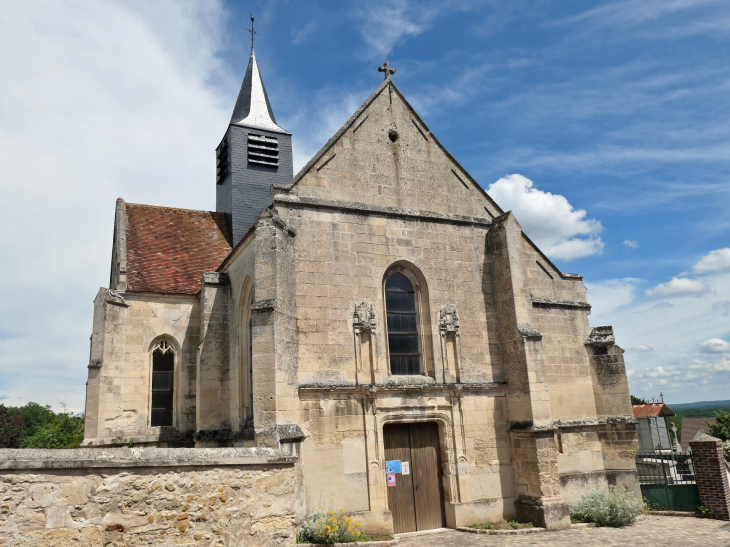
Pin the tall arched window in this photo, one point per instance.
(402, 317)
(246, 350)
(163, 384)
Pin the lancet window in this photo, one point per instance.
(163, 384)
(402, 317)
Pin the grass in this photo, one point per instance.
(502, 525)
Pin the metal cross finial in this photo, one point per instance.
(252, 31)
(385, 67)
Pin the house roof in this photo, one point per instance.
(690, 427)
(169, 248)
(652, 410)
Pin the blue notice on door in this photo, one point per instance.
(392, 466)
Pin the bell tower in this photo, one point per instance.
(254, 154)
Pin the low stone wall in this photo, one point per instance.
(150, 496)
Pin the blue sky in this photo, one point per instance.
(603, 125)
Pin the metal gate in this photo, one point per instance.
(667, 480)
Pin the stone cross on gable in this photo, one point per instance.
(385, 67)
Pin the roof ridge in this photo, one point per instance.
(173, 208)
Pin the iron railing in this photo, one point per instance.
(665, 468)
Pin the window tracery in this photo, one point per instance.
(163, 384)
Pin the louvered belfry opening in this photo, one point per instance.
(400, 305)
(222, 169)
(163, 371)
(263, 150)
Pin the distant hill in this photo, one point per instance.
(700, 409)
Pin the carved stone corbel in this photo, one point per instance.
(450, 330)
(448, 319)
(364, 325)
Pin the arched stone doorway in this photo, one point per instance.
(415, 484)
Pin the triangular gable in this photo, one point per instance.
(361, 164)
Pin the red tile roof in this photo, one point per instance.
(652, 410)
(168, 248)
(690, 427)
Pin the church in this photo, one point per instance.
(377, 315)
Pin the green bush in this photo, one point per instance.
(46, 429)
(613, 507)
(330, 527)
(721, 427)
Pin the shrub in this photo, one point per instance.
(330, 527)
(726, 450)
(613, 507)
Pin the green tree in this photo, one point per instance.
(46, 429)
(721, 427)
(637, 400)
(35, 417)
(11, 428)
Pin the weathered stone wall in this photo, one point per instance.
(341, 260)
(241, 274)
(126, 326)
(385, 195)
(130, 497)
(386, 156)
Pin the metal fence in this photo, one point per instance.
(660, 468)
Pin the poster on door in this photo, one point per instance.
(405, 468)
(391, 479)
(392, 466)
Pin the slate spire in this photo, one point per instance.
(253, 108)
(254, 154)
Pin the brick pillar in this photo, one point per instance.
(711, 475)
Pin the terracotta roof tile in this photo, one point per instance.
(168, 248)
(652, 410)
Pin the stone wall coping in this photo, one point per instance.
(557, 425)
(558, 303)
(363, 208)
(30, 458)
(496, 388)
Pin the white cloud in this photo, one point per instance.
(560, 231)
(643, 348)
(657, 306)
(723, 307)
(715, 345)
(385, 24)
(631, 244)
(98, 100)
(303, 34)
(679, 286)
(608, 296)
(675, 333)
(714, 261)
(633, 13)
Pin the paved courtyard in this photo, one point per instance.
(653, 531)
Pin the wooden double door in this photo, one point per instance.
(416, 499)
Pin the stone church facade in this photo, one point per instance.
(378, 306)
